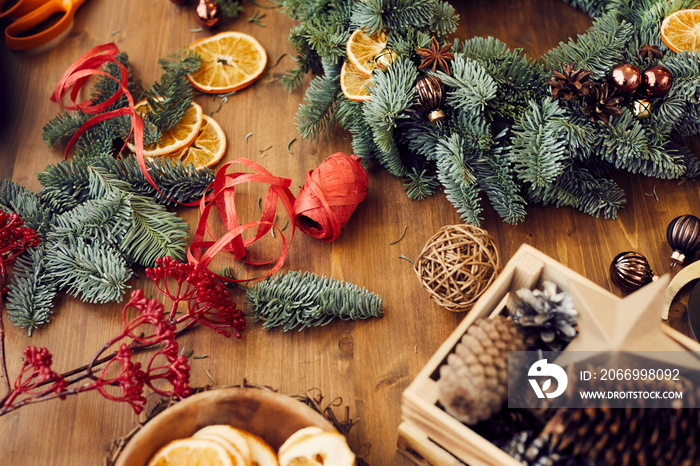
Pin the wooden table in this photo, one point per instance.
(367, 363)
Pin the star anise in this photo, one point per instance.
(436, 57)
(650, 52)
(600, 105)
(570, 83)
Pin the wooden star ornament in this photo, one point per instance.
(436, 57)
(608, 323)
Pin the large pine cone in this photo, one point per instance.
(473, 383)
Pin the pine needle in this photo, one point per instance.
(402, 235)
(247, 136)
(209, 375)
(401, 256)
(289, 145)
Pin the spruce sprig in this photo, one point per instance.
(302, 299)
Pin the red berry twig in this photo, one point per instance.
(146, 324)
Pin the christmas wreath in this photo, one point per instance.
(474, 117)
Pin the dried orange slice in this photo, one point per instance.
(208, 147)
(231, 439)
(363, 50)
(192, 452)
(177, 137)
(326, 448)
(354, 83)
(681, 30)
(230, 61)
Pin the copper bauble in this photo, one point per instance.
(683, 235)
(625, 79)
(208, 13)
(431, 96)
(630, 271)
(656, 81)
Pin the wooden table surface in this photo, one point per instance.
(367, 363)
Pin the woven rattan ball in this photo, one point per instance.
(457, 265)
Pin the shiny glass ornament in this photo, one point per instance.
(683, 235)
(656, 81)
(630, 271)
(208, 13)
(625, 78)
(431, 97)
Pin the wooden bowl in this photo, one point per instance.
(271, 416)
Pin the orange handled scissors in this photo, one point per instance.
(32, 13)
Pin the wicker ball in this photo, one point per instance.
(457, 265)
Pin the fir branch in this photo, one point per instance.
(539, 144)
(18, 199)
(470, 88)
(154, 232)
(171, 97)
(497, 179)
(392, 93)
(88, 269)
(626, 145)
(63, 126)
(598, 50)
(230, 8)
(302, 299)
(316, 115)
(32, 290)
(65, 184)
(106, 219)
(419, 184)
(458, 178)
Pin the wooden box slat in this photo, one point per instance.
(430, 436)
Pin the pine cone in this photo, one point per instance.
(534, 450)
(546, 315)
(600, 105)
(473, 383)
(630, 436)
(570, 84)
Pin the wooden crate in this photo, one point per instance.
(430, 436)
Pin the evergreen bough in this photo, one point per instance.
(503, 137)
(302, 299)
(97, 216)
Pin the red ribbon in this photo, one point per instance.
(223, 197)
(330, 195)
(77, 75)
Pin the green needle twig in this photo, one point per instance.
(402, 235)
(256, 19)
(289, 146)
(401, 256)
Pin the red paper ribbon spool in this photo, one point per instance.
(330, 195)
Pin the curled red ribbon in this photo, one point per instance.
(223, 197)
(77, 75)
(330, 195)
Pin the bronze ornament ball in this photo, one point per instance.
(656, 81)
(683, 235)
(208, 13)
(431, 96)
(457, 265)
(631, 271)
(625, 78)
